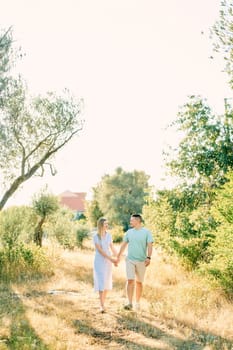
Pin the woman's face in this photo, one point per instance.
(105, 224)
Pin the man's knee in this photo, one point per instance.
(139, 283)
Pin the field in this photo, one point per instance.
(179, 311)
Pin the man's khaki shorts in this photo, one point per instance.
(135, 269)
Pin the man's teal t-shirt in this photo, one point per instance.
(137, 240)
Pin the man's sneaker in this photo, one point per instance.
(137, 307)
(128, 307)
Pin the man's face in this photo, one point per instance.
(134, 221)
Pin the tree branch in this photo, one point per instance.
(23, 177)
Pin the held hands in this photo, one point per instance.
(114, 261)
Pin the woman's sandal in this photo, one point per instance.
(102, 310)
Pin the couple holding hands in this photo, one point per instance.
(139, 241)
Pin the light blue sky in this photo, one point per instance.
(132, 61)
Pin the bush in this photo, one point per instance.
(82, 232)
(16, 223)
(23, 261)
(162, 230)
(192, 251)
(18, 257)
(220, 268)
(62, 227)
(117, 234)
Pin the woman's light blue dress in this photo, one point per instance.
(102, 266)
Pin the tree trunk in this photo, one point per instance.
(38, 234)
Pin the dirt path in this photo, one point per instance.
(63, 314)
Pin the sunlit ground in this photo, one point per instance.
(62, 312)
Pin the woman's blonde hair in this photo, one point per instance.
(100, 225)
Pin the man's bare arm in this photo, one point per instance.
(122, 248)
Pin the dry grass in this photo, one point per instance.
(62, 312)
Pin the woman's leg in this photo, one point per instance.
(104, 295)
(102, 298)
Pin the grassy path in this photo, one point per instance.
(62, 313)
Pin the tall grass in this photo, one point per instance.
(179, 310)
(185, 298)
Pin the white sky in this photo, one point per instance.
(132, 61)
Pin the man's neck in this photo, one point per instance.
(138, 227)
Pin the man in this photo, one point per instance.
(139, 241)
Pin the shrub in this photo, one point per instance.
(220, 268)
(62, 227)
(18, 257)
(192, 251)
(23, 261)
(117, 234)
(82, 232)
(16, 223)
(44, 205)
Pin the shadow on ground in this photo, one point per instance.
(217, 342)
(109, 338)
(18, 333)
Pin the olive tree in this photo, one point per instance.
(32, 128)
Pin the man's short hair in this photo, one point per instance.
(137, 216)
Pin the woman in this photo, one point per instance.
(103, 261)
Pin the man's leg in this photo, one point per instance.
(130, 273)
(140, 273)
(130, 290)
(139, 288)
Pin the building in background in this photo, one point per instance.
(75, 201)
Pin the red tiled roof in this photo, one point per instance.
(73, 200)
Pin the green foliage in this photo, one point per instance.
(194, 234)
(202, 161)
(67, 231)
(178, 227)
(32, 129)
(18, 257)
(5, 51)
(159, 217)
(45, 204)
(220, 268)
(82, 232)
(205, 152)
(117, 234)
(201, 236)
(222, 208)
(93, 212)
(203, 220)
(221, 250)
(194, 220)
(222, 33)
(8, 56)
(191, 251)
(79, 216)
(120, 195)
(16, 224)
(62, 227)
(23, 261)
